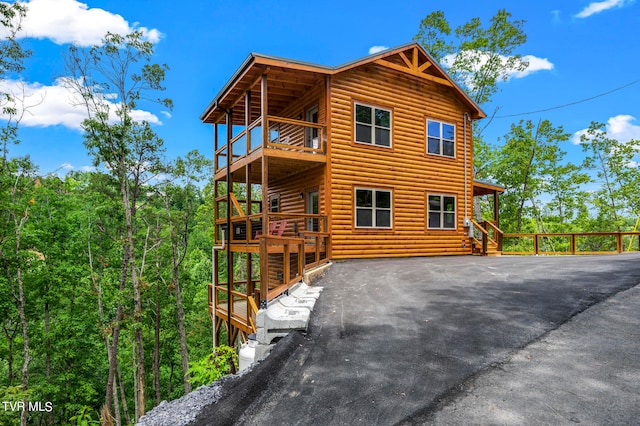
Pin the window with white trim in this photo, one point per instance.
(373, 208)
(372, 125)
(441, 211)
(441, 138)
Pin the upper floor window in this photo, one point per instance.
(373, 125)
(373, 208)
(441, 138)
(441, 211)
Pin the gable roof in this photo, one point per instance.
(410, 58)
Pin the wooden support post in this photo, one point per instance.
(247, 118)
(264, 273)
(300, 258)
(229, 227)
(215, 147)
(619, 242)
(214, 297)
(535, 244)
(496, 208)
(250, 283)
(286, 261)
(264, 256)
(573, 243)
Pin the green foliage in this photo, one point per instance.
(11, 394)
(214, 366)
(477, 57)
(83, 417)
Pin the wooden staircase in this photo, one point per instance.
(492, 249)
(487, 239)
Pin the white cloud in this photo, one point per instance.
(70, 21)
(67, 166)
(619, 128)
(57, 105)
(601, 6)
(535, 64)
(377, 49)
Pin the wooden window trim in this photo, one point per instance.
(426, 138)
(372, 145)
(426, 215)
(275, 197)
(355, 207)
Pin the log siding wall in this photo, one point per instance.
(405, 168)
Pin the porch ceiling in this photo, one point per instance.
(486, 188)
(284, 86)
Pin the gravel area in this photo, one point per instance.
(184, 410)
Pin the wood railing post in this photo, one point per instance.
(301, 258)
(485, 242)
(573, 243)
(264, 273)
(287, 263)
(535, 244)
(619, 242)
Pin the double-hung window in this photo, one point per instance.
(441, 211)
(373, 125)
(373, 208)
(441, 138)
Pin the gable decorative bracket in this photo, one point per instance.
(412, 66)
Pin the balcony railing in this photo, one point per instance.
(285, 134)
(247, 229)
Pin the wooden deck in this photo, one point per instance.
(283, 261)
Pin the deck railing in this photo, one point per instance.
(247, 229)
(281, 263)
(285, 134)
(242, 306)
(569, 243)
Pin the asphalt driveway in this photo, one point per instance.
(405, 341)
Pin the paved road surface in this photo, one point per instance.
(421, 340)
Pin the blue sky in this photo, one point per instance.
(577, 49)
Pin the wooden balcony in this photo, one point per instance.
(283, 261)
(292, 146)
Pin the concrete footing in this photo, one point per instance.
(287, 313)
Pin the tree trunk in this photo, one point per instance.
(25, 339)
(123, 396)
(156, 349)
(20, 298)
(184, 353)
(129, 214)
(11, 336)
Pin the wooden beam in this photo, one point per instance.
(400, 68)
(415, 58)
(406, 60)
(237, 205)
(424, 66)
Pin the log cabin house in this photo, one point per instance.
(372, 158)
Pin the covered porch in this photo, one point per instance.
(269, 136)
(486, 237)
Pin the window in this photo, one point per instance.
(373, 125)
(274, 204)
(441, 138)
(373, 208)
(441, 211)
